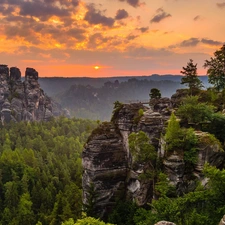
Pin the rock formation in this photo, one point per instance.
(222, 221)
(108, 166)
(24, 100)
(165, 223)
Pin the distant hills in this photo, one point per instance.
(54, 85)
(93, 98)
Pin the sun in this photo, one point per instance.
(96, 67)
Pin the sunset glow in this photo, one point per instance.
(131, 37)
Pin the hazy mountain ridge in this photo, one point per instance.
(86, 101)
(54, 85)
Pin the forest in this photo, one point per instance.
(41, 171)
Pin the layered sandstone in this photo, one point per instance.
(24, 100)
(108, 165)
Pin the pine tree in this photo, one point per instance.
(216, 69)
(173, 134)
(191, 78)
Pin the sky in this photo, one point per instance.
(103, 38)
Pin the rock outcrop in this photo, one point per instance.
(222, 221)
(23, 100)
(108, 162)
(165, 223)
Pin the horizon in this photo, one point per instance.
(85, 38)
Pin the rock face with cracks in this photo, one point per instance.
(108, 166)
(24, 100)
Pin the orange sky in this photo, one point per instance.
(123, 37)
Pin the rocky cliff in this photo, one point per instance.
(108, 162)
(24, 100)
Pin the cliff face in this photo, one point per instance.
(24, 100)
(108, 164)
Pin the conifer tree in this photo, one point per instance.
(154, 93)
(173, 133)
(216, 69)
(191, 78)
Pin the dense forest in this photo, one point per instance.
(40, 171)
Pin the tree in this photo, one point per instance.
(173, 134)
(191, 111)
(191, 78)
(155, 93)
(216, 69)
(88, 221)
(142, 151)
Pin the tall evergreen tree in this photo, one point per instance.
(191, 78)
(216, 69)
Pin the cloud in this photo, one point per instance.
(211, 42)
(131, 37)
(161, 15)
(190, 42)
(143, 52)
(134, 3)
(196, 18)
(143, 29)
(77, 33)
(221, 5)
(121, 14)
(6, 10)
(95, 17)
(41, 10)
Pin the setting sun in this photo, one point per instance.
(96, 67)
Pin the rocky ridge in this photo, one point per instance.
(107, 160)
(24, 100)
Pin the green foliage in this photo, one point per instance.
(117, 107)
(89, 208)
(173, 136)
(190, 150)
(40, 164)
(217, 126)
(191, 111)
(211, 140)
(162, 187)
(184, 141)
(155, 93)
(140, 114)
(191, 79)
(205, 205)
(89, 221)
(216, 69)
(123, 213)
(141, 150)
